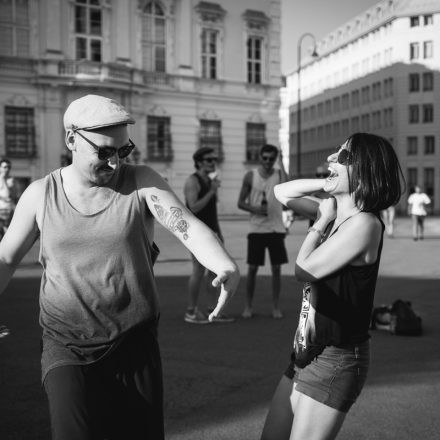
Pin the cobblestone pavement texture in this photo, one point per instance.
(219, 378)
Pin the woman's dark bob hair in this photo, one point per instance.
(376, 179)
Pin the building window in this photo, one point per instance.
(365, 93)
(411, 145)
(159, 138)
(254, 59)
(413, 51)
(428, 184)
(427, 49)
(414, 82)
(320, 110)
(209, 53)
(388, 117)
(411, 179)
(328, 106)
(428, 20)
(428, 113)
(428, 81)
(14, 28)
(388, 87)
(19, 131)
(377, 91)
(414, 21)
(376, 120)
(88, 30)
(413, 114)
(429, 145)
(336, 129)
(365, 122)
(255, 139)
(345, 101)
(336, 104)
(210, 135)
(153, 38)
(345, 127)
(355, 98)
(355, 124)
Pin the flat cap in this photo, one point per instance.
(91, 112)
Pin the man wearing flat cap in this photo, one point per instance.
(200, 192)
(99, 312)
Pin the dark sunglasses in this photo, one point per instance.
(210, 159)
(344, 156)
(268, 158)
(105, 153)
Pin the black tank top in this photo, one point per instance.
(208, 214)
(336, 310)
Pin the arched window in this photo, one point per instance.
(88, 30)
(154, 37)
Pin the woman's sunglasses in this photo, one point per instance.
(344, 156)
(105, 153)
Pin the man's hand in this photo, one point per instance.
(228, 280)
(215, 185)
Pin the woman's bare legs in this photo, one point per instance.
(279, 419)
(314, 420)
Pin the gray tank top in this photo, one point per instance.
(98, 280)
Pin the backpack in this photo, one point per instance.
(398, 318)
(404, 320)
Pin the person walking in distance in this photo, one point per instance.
(339, 264)
(8, 196)
(99, 307)
(416, 208)
(267, 230)
(200, 192)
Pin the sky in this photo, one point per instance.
(318, 17)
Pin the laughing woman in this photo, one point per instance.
(338, 263)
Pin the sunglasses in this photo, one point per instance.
(105, 153)
(268, 158)
(344, 156)
(210, 159)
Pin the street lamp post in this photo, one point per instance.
(298, 108)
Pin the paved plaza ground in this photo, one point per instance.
(219, 378)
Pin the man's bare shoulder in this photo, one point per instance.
(35, 190)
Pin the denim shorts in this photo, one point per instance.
(336, 376)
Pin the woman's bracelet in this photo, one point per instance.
(312, 229)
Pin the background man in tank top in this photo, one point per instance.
(101, 366)
(200, 192)
(267, 230)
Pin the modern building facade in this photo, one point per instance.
(378, 73)
(192, 73)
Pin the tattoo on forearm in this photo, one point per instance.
(172, 219)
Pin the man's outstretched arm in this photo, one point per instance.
(200, 240)
(22, 232)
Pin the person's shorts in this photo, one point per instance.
(335, 377)
(257, 244)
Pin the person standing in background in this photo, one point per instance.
(416, 208)
(8, 195)
(267, 230)
(200, 192)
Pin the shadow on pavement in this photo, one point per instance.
(219, 378)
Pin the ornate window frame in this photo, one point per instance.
(210, 17)
(256, 26)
